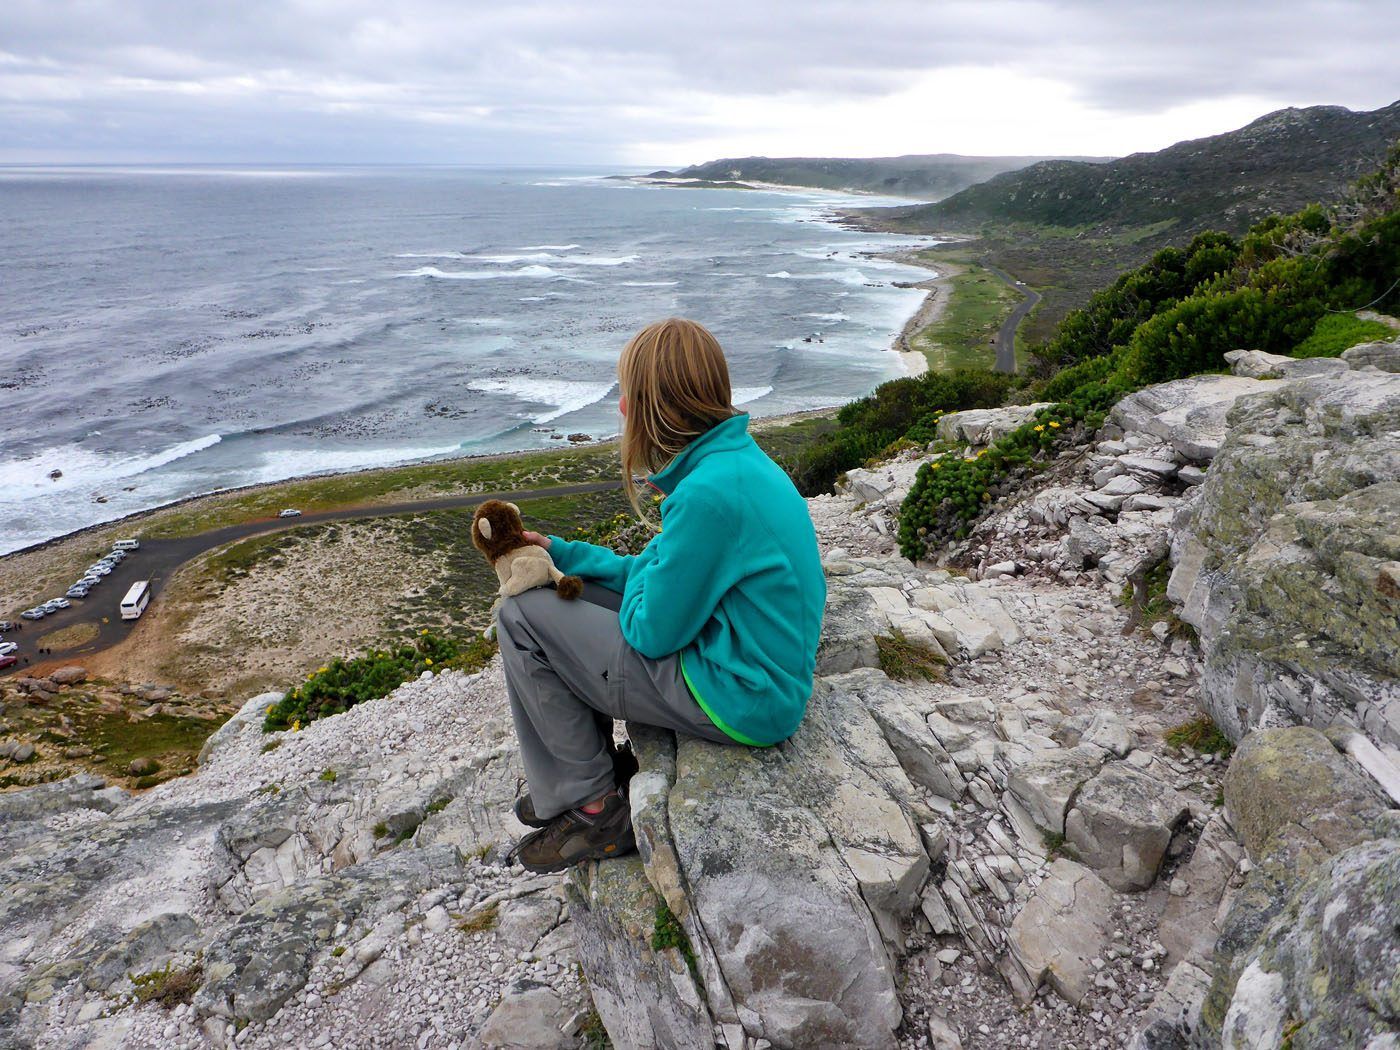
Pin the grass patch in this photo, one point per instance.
(337, 951)
(480, 920)
(903, 658)
(328, 775)
(381, 830)
(170, 986)
(271, 745)
(667, 932)
(70, 637)
(437, 805)
(117, 742)
(441, 478)
(1200, 735)
(593, 1033)
(965, 335)
(1336, 333)
(1055, 843)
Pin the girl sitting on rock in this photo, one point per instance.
(711, 630)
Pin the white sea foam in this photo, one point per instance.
(549, 247)
(480, 275)
(513, 257)
(742, 395)
(648, 284)
(562, 395)
(87, 469)
(603, 260)
(432, 255)
(828, 318)
(851, 277)
(294, 462)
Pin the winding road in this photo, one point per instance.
(157, 561)
(1006, 334)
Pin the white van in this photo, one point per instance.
(126, 545)
(136, 600)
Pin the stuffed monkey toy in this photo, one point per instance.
(499, 533)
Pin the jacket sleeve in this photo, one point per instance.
(599, 564)
(675, 585)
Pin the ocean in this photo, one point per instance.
(166, 332)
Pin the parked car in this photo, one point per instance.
(33, 614)
(126, 545)
(7, 625)
(8, 661)
(55, 604)
(6, 648)
(99, 569)
(78, 590)
(290, 512)
(115, 555)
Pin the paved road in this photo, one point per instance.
(157, 561)
(1006, 335)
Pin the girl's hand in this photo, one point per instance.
(537, 539)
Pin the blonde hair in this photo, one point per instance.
(676, 381)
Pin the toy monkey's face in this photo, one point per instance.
(497, 528)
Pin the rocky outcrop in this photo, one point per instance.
(1288, 562)
(790, 871)
(1318, 833)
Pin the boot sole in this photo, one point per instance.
(604, 852)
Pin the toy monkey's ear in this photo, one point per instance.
(513, 507)
(483, 526)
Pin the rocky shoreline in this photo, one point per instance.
(1003, 823)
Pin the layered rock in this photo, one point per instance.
(1288, 563)
(1311, 942)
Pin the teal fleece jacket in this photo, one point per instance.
(733, 582)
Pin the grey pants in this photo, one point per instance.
(569, 673)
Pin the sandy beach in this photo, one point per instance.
(930, 310)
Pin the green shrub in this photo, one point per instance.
(341, 684)
(1336, 333)
(902, 408)
(951, 492)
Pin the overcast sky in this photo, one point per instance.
(661, 83)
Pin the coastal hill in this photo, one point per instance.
(1067, 228)
(928, 176)
(1277, 163)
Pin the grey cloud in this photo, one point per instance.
(436, 80)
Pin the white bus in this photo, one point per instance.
(136, 600)
(126, 545)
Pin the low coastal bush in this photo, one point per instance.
(341, 684)
(951, 492)
(622, 533)
(900, 409)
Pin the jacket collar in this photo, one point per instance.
(726, 436)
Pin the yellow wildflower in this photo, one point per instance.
(269, 709)
(423, 631)
(1039, 428)
(296, 725)
(429, 661)
(1054, 425)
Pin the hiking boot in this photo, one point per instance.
(575, 836)
(624, 769)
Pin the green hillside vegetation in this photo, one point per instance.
(930, 177)
(1067, 228)
(965, 336)
(1293, 282)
